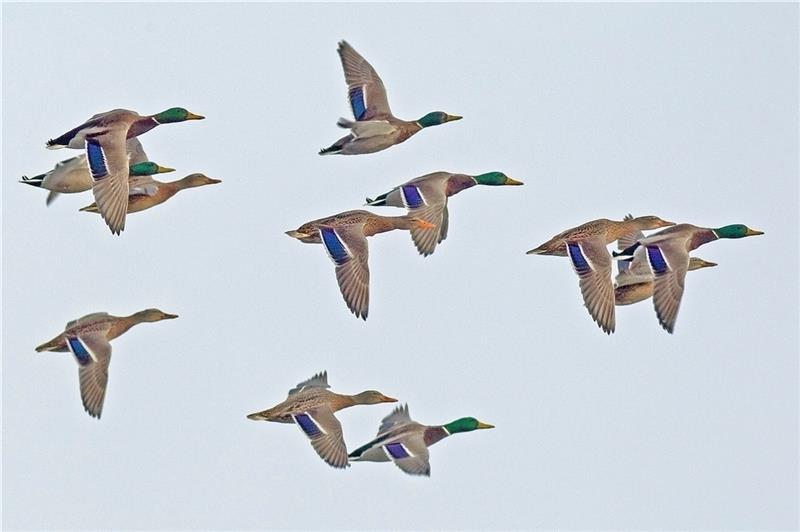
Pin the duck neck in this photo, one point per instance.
(435, 434)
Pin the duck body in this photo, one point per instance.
(667, 254)
(311, 406)
(586, 247)
(104, 138)
(87, 338)
(344, 237)
(375, 128)
(405, 442)
(72, 175)
(426, 197)
(146, 192)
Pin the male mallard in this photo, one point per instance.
(426, 197)
(374, 128)
(586, 247)
(72, 175)
(146, 192)
(634, 281)
(88, 339)
(344, 236)
(405, 442)
(667, 253)
(312, 406)
(104, 136)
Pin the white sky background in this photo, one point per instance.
(685, 111)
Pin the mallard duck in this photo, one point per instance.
(344, 236)
(586, 247)
(374, 128)
(634, 281)
(667, 253)
(72, 175)
(405, 442)
(312, 407)
(88, 338)
(146, 192)
(426, 198)
(103, 137)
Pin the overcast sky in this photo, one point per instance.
(684, 111)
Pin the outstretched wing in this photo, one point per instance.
(108, 164)
(592, 263)
(365, 89)
(136, 151)
(325, 433)
(410, 454)
(93, 353)
(426, 200)
(320, 380)
(398, 417)
(669, 261)
(347, 248)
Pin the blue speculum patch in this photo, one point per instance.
(97, 162)
(308, 425)
(357, 102)
(79, 350)
(577, 258)
(334, 245)
(412, 196)
(657, 261)
(396, 450)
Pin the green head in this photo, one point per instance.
(175, 114)
(736, 231)
(436, 118)
(495, 178)
(466, 424)
(148, 168)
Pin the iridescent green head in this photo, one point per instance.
(466, 424)
(175, 114)
(436, 118)
(495, 178)
(736, 231)
(148, 168)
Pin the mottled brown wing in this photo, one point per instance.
(669, 261)
(347, 248)
(93, 376)
(592, 263)
(325, 433)
(365, 89)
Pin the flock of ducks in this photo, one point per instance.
(116, 169)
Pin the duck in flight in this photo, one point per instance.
(104, 138)
(375, 128)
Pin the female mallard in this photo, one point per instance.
(344, 236)
(104, 136)
(426, 197)
(88, 338)
(667, 253)
(145, 192)
(586, 247)
(72, 175)
(312, 407)
(405, 442)
(374, 128)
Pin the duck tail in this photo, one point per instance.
(35, 181)
(50, 345)
(627, 253)
(377, 202)
(334, 148)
